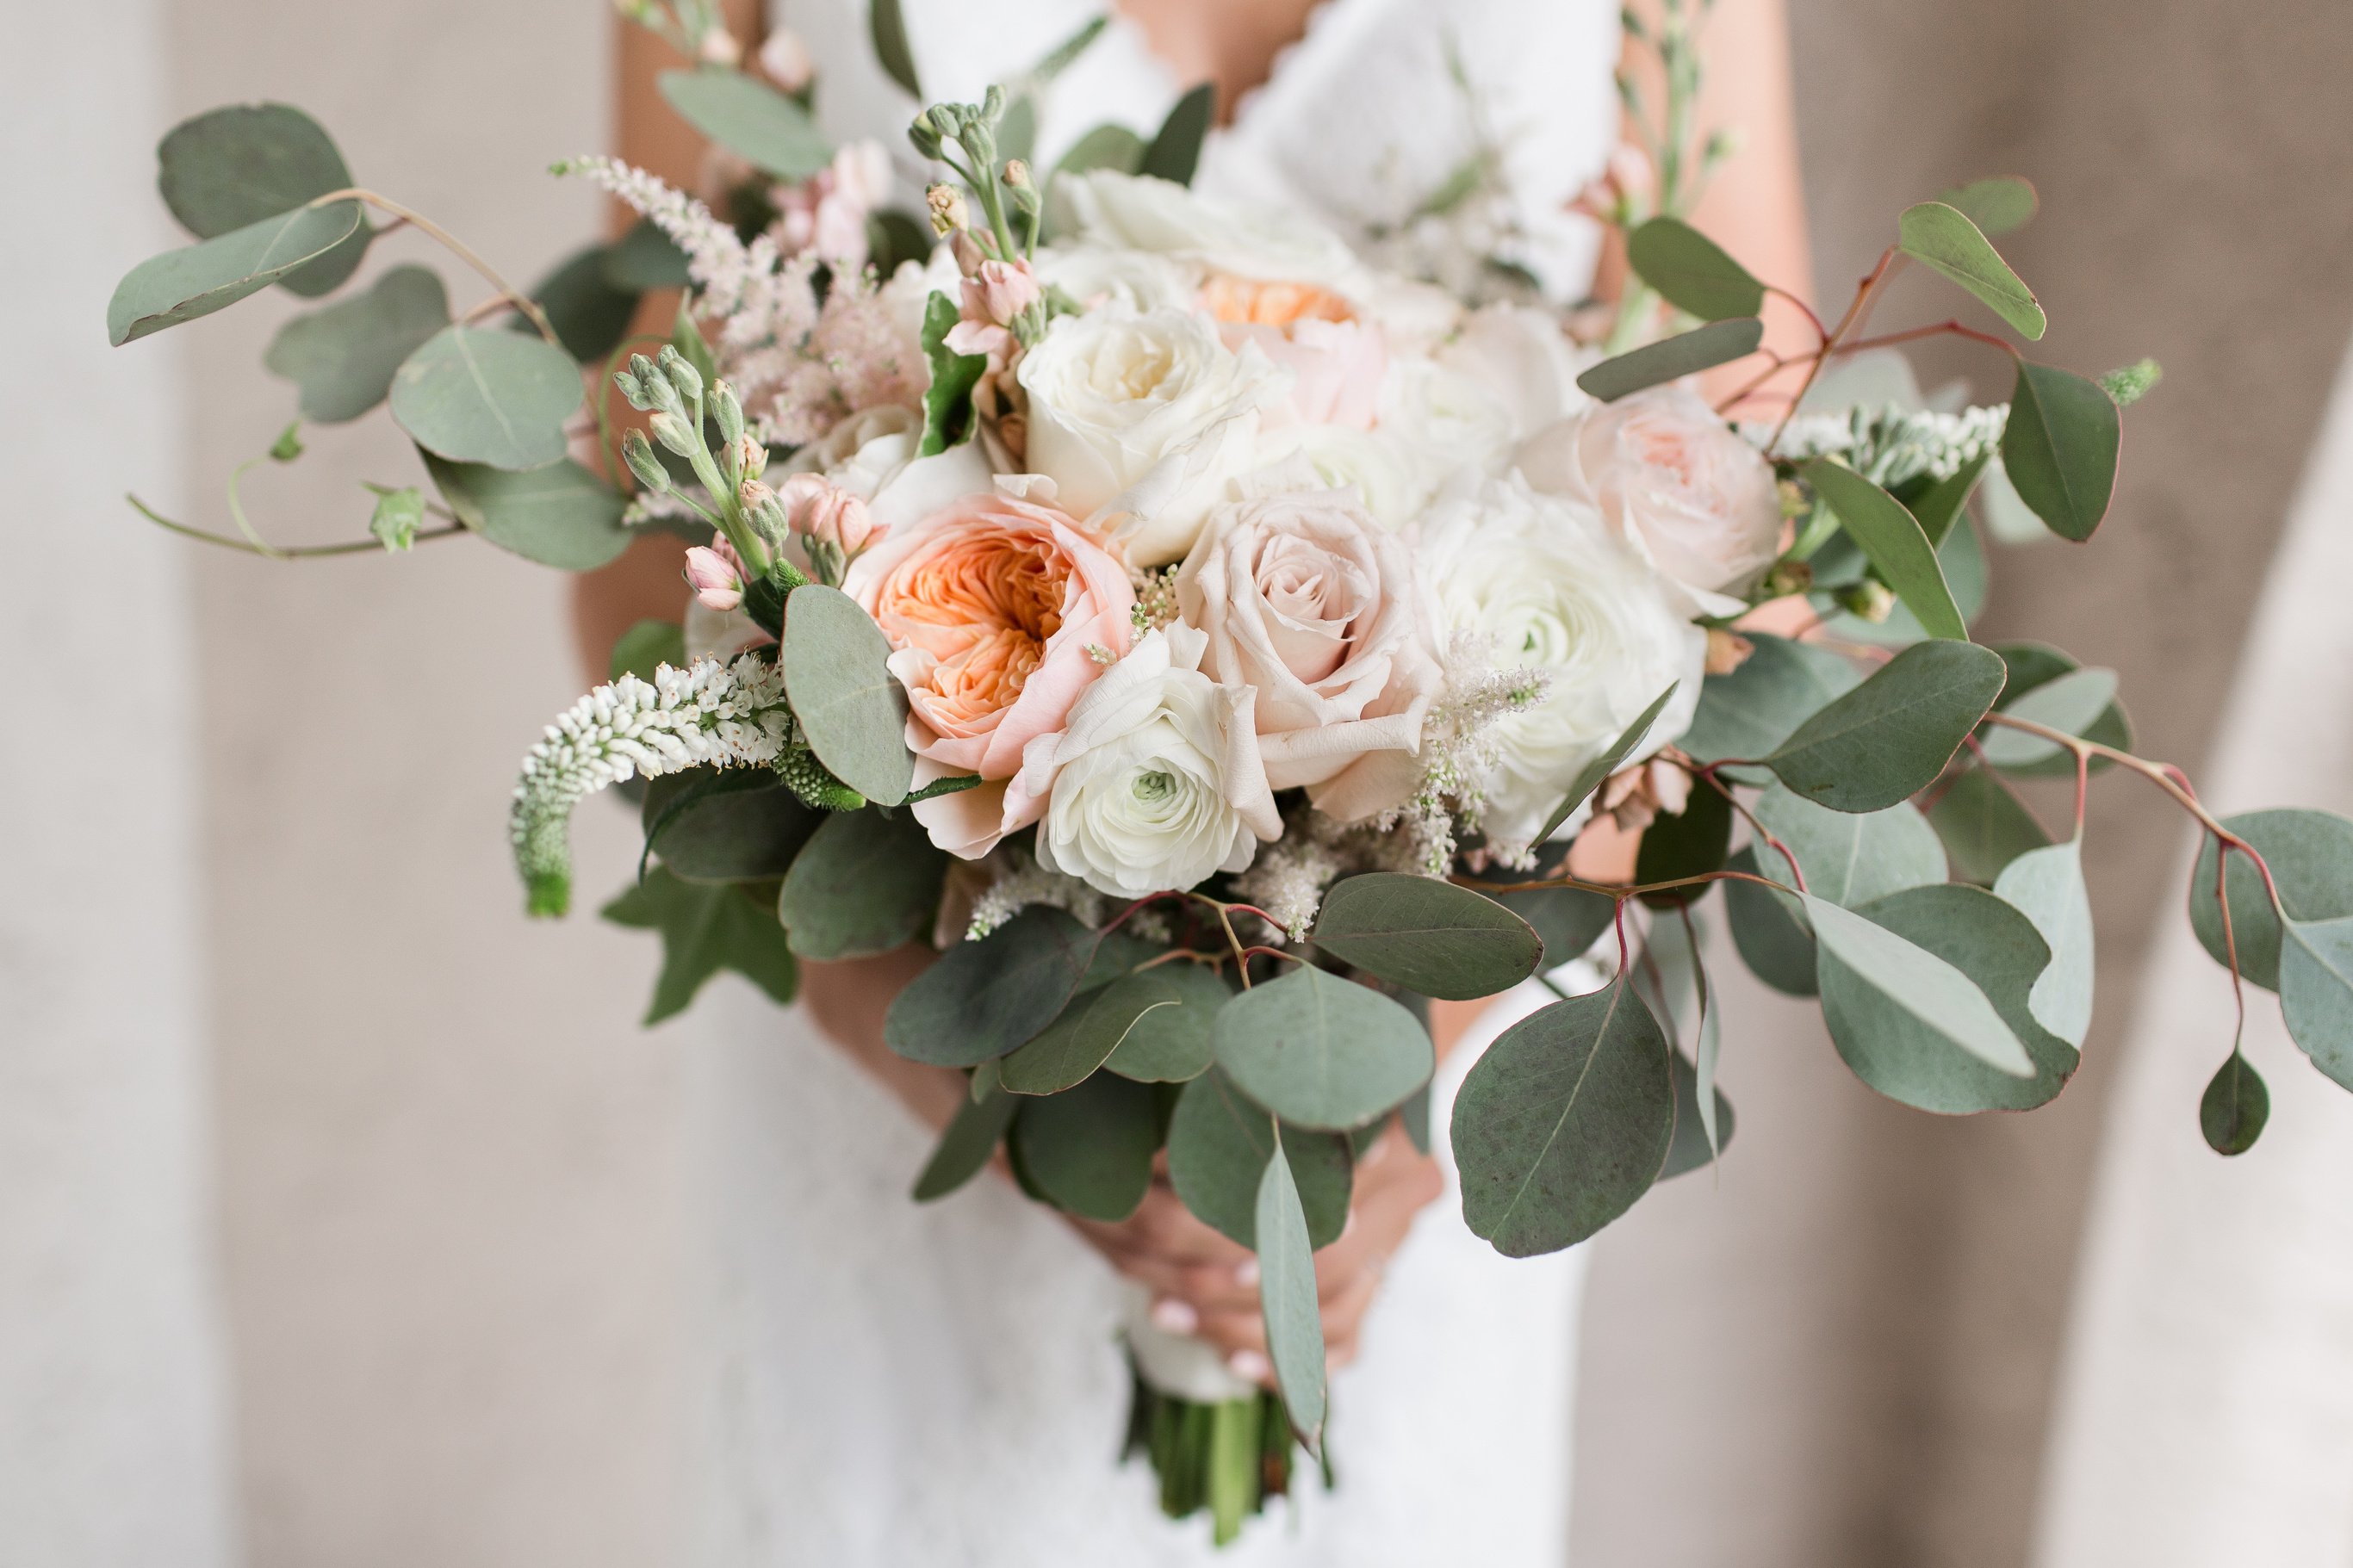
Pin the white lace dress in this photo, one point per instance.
(886, 1385)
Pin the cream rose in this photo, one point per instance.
(1141, 213)
(1675, 483)
(1098, 275)
(1146, 414)
(1541, 578)
(994, 606)
(1155, 781)
(1525, 360)
(1309, 600)
(1372, 464)
(1445, 423)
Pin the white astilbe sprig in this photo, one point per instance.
(1459, 753)
(714, 714)
(1888, 445)
(1022, 882)
(1289, 877)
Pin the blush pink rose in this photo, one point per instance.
(1336, 360)
(998, 608)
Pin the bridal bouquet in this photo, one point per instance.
(1216, 641)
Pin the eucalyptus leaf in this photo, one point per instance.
(1892, 735)
(1776, 688)
(2232, 1110)
(2316, 989)
(590, 315)
(1996, 206)
(182, 285)
(970, 1137)
(1892, 1003)
(1688, 1149)
(1564, 1122)
(1089, 1148)
(474, 395)
(1893, 538)
(2032, 666)
(1219, 1143)
(1590, 776)
(1984, 827)
(1943, 239)
(645, 647)
(887, 26)
(1671, 359)
(1702, 1116)
(738, 825)
(1321, 1051)
(704, 928)
(1084, 1036)
(234, 166)
(1175, 149)
(1691, 843)
(1016, 133)
(1853, 857)
(343, 355)
(1568, 919)
(561, 516)
(1940, 503)
(643, 260)
(947, 400)
(1288, 1303)
(2047, 887)
(865, 883)
(1106, 146)
(1691, 272)
(844, 697)
(1173, 1044)
(1426, 936)
(1769, 927)
(2059, 448)
(2310, 853)
(983, 998)
(749, 118)
(2072, 703)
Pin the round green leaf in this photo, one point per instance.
(1426, 935)
(844, 697)
(1983, 826)
(727, 825)
(2310, 853)
(589, 315)
(1105, 147)
(2047, 887)
(1690, 844)
(1850, 857)
(983, 998)
(749, 118)
(1172, 1045)
(344, 356)
(1996, 206)
(476, 395)
(645, 258)
(866, 883)
(561, 516)
(1691, 271)
(1084, 1036)
(1943, 238)
(1895, 543)
(2072, 703)
(1892, 735)
(182, 285)
(1671, 359)
(1218, 1144)
(1290, 1304)
(1568, 919)
(2316, 989)
(234, 166)
(1564, 1122)
(2232, 1110)
(1770, 929)
(970, 1137)
(1089, 1148)
(2035, 665)
(1776, 688)
(704, 929)
(1899, 1012)
(1321, 1051)
(2060, 446)
(1688, 1150)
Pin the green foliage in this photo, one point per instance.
(1172, 1045)
(1940, 503)
(751, 120)
(1564, 1122)
(1426, 935)
(396, 518)
(970, 1137)
(1984, 827)
(2032, 666)
(1892, 735)
(705, 929)
(561, 516)
(1106, 146)
(850, 709)
(1175, 149)
(1892, 1005)
(182, 285)
(1769, 928)
(1089, 1150)
(1850, 857)
(2071, 703)
(1590, 776)
(1673, 982)
(643, 260)
(344, 356)
(2060, 448)
(893, 236)
(473, 394)
(723, 825)
(1218, 1144)
(1691, 272)
(947, 401)
(645, 647)
(2232, 1110)
(1945, 240)
(1671, 359)
(983, 998)
(1091, 1027)
(1893, 538)
(590, 315)
(887, 26)
(2310, 853)
(234, 166)
(1321, 1051)
(1688, 1150)
(1690, 845)
(1289, 1302)
(2047, 887)
(1777, 686)
(1996, 206)
(867, 882)
(1568, 919)
(2316, 990)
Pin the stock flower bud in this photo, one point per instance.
(826, 513)
(967, 251)
(1017, 175)
(639, 453)
(716, 575)
(728, 412)
(683, 375)
(652, 391)
(949, 210)
(999, 291)
(672, 431)
(924, 132)
(786, 60)
(751, 457)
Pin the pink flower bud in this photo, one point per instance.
(716, 575)
(784, 59)
(826, 513)
(968, 252)
(751, 457)
(999, 291)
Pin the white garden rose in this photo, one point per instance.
(1674, 482)
(1307, 599)
(1098, 275)
(1543, 580)
(1155, 782)
(872, 455)
(1142, 213)
(1372, 463)
(1525, 360)
(1146, 413)
(1444, 421)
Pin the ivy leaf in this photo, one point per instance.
(1564, 1122)
(2316, 989)
(887, 26)
(1776, 688)
(1996, 206)
(474, 395)
(970, 1137)
(1590, 776)
(1893, 538)
(397, 516)
(344, 356)
(561, 516)
(1218, 1144)
(947, 401)
(182, 285)
(749, 118)
(1769, 928)
(1850, 857)
(1322, 1051)
(1288, 1300)
(866, 883)
(1891, 1003)
(983, 998)
(1691, 271)
(1671, 359)
(1943, 239)
(1428, 936)
(2047, 887)
(1173, 1044)
(2060, 447)
(645, 647)
(1083, 1037)
(1983, 826)
(849, 705)
(1892, 735)
(1089, 1148)
(234, 166)
(704, 929)
(1175, 149)
(2232, 1110)
(2310, 853)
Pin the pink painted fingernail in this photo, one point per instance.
(1173, 1316)
(1249, 1365)
(1246, 1272)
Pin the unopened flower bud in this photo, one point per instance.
(992, 104)
(1017, 175)
(751, 457)
(967, 251)
(720, 47)
(1727, 650)
(716, 575)
(649, 389)
(950, 212)
(924, 132)
(826, 513)
(1869, 600)
(639, 453)
(672, 431)
(683, 374)
(727, 412)
(999, 291)
(786, 60)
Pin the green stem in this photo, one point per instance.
(292, 552)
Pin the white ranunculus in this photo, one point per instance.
(873, 456)
(1674, 482)
(1384, 477)
(1541, 577)
(1307, 599)
(1098, 275)
(1445, 422)
(1522, 357)
(1275, 245)
(1155, 781)
(1144, 417)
